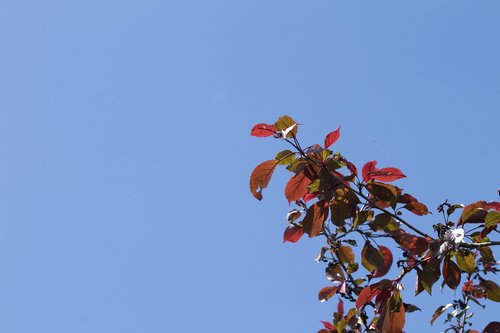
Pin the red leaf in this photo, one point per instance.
(262, 130)
(296, 188)
(340, 308)
(367, 294)
(309, 197)
(494, 205)
(368, 168)
(293, 233)
(413, 244)
(352, 168)
(383, 270)
(326, 293)
(468, 286)
(386, 174)
(327, 325)
(261, 176)
(332, 137)
(417, 208)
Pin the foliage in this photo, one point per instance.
(334, 201)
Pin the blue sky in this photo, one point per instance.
(124, 137)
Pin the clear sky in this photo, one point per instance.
(125, 149)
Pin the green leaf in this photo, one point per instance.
(361, 217)
(383, 222)
(466, 261)
(492, 218)
(284, 123)
(371, 258)
(492, 290)
(285, 157)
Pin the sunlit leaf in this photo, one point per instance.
(296, 187)
(286, 124)
(492, 290)
(367, 169)
(392, 315)
(386, 174)
(285, 157)
(332, 137)
(371, 291)
(492, 218)
(293, 233)
(466, 261)
(262, 130)
(260, 177)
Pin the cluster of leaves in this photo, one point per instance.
(333, 200)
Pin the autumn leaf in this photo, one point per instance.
(315, 217)
(492, 219)
(367, 169)
(492, 290)
(387, 262)
(451, 274)
(260, 177)
(293, 233)
(296, 188)
(493, 327)
(332, 137)
(417, 208)
(262, 130)
(371, 258)
(371, 291)
(386, 174)
(326, 293)
(392, 316)
(287, 126)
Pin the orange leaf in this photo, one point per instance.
(392, 321)
(296, 188)
(260, 177)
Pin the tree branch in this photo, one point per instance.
(478, 245)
